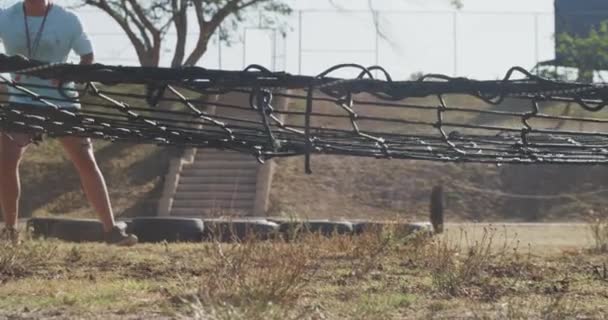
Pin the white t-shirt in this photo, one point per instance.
(62, 33)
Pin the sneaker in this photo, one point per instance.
(10, 235)
(118, 237)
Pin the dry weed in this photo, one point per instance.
(598, 225)
(553, 307)
(23, 260)
(368, 251)
(464, 268)
(256, 278)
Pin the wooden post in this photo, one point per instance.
(437, 209)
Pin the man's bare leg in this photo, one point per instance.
(12, 147)
(80, 152)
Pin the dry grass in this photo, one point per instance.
(378, 275)
(23, 261)
(471, 273)
(465, 267)
(266, 279)
(598, 225)
(253, 276)
(348, 186)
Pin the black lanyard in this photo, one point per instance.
(31, 50)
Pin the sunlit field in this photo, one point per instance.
(470, 272)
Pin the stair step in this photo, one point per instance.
(222, 164)
(204, 187)
(228, 196)
(211, 172)
(218, 179)
(212, 204)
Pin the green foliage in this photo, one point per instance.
(588, 54)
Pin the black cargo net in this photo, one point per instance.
(520, 119)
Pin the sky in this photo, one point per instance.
(482, 40)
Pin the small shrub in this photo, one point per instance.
(598, 225)
(255, 277)
(456, 267)
(25, 259)
(534, 307)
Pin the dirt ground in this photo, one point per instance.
(550, 238)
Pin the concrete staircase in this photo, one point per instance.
(209, 182)
(221, 182)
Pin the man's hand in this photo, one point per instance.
(84, 60)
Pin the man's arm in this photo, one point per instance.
(81, 44)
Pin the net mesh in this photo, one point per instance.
(522, 118)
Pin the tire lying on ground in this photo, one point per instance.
(291, 228)
(78, 230)
(362, 227)
(170, 229)
(402, 229)
(41, 227)
(231, 230)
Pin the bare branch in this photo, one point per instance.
(206, 29)
(139, 46)
(180, 19)
(146, 23)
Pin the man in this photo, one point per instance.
(41, 30)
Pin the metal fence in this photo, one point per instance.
(482, 44)
(477, 44)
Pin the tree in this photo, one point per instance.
(146, 23)
(587, 54)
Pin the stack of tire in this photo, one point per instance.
(174, 229)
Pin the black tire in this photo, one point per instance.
(73, 230)
(327, 228)
(41, 227)
(416, 227)
(79, 230)
(402, 229)
(170, 229)
(239, 229)
(368, 227)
